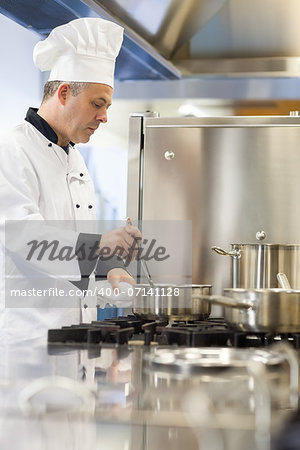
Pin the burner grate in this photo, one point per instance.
(119, 330)
(213, 332)
(193, 337)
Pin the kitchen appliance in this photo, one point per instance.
(257, 265)
(229, 176)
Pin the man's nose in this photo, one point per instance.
(102, 116)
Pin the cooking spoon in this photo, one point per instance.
(143, 263)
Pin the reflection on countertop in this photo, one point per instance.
(118, 397)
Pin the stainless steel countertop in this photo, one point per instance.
(73, 398)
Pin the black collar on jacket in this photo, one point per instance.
(43, 127)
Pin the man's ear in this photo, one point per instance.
(63, 92)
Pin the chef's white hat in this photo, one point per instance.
(82, 50)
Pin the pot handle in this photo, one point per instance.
(233, 253)
(283, 281)
(228, 301)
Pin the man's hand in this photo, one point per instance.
(117, 275)
(122, 241)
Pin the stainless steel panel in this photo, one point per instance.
(135, 163)
(134, 151)
(223, 121)
(230, 176)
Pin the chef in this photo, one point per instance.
(47, 195)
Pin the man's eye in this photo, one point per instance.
(97, 106)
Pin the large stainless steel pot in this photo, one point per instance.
(261, 310)
(173, 302)
(255, 266)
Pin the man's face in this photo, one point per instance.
(84, 112)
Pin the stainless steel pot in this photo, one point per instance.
(261, 310)
(173, 302)
(255, 266)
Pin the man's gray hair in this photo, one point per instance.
(51, 87)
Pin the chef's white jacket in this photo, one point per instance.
(40, 182)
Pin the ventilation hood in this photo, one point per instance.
(172, 39)
(217, 37)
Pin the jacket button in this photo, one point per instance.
(90, 206)
(85, 306)
(77, 206)
(81, 174)
(50, 144)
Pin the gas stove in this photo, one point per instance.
(133, 330)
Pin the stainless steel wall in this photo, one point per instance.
(232, 176)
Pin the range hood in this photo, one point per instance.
(220, 38)
(137, 60)
(173, 39)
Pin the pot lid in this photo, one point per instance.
(191, 360)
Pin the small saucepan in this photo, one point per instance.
(172, 302)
